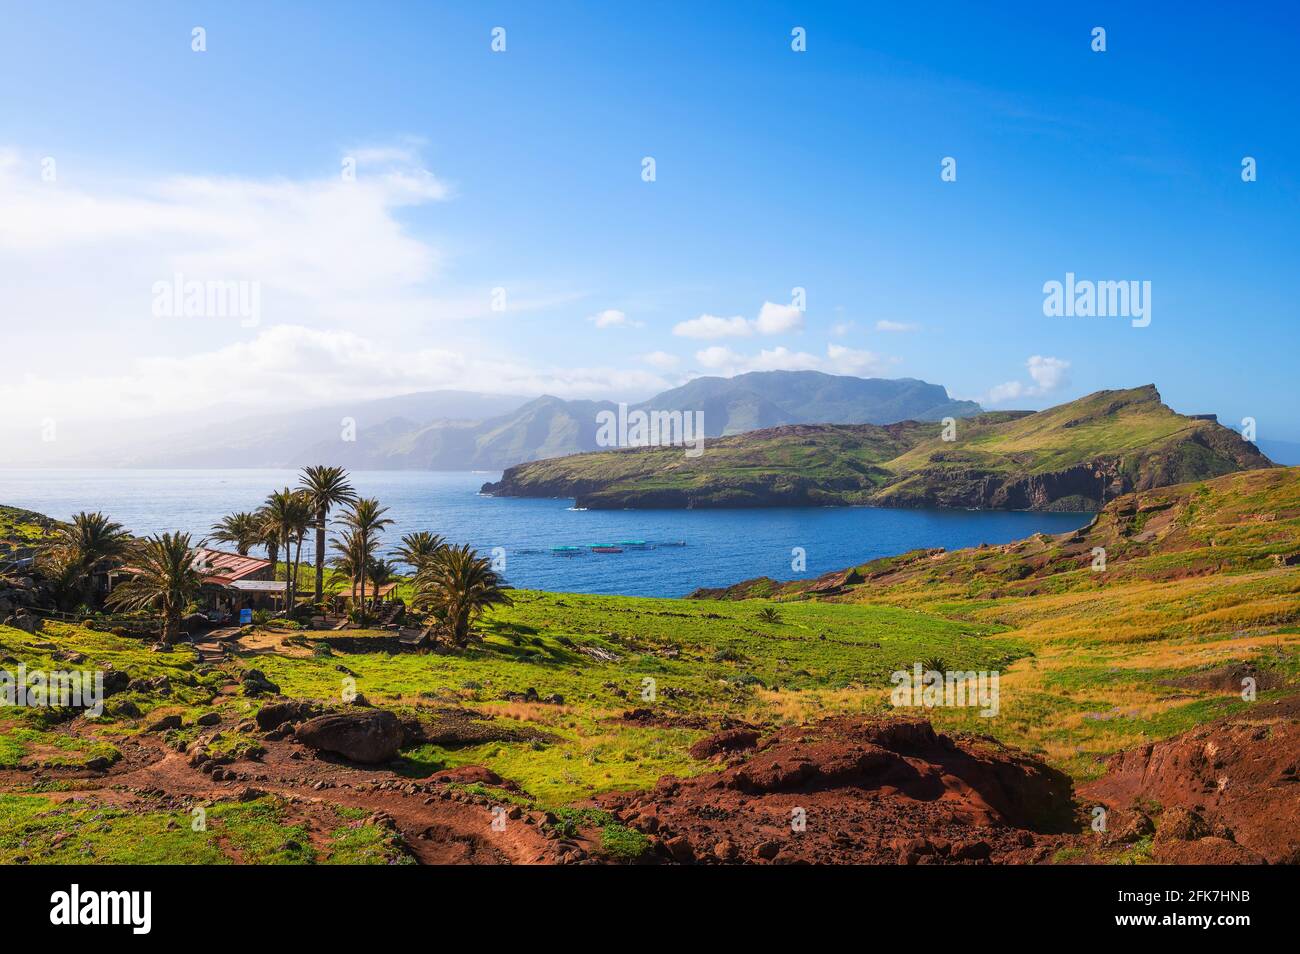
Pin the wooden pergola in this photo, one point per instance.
(351, 594)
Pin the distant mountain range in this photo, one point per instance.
(283, 439)
(461, 430)
(1075, 456)
(551, 427)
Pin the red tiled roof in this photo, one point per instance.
(227, 567)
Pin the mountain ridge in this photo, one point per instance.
(1072, 457)
(549, 426)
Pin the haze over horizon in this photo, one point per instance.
(498, 234)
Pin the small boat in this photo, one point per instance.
(605, 548)
(634, 544)
(566, 551)
(672, 543)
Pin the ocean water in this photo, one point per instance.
(721, 546)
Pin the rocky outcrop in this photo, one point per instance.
(1224, 793)
(369, 736)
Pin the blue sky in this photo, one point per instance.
(521, 170)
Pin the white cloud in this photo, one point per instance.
(1005, 392)
(855, 361)
(661, 360)
(613, 318)
(717, 357)
(772, 319)
(711, 326)
(291, 366)
(838, 360)
(1048, 374)
(898, 326)
(80, 256)
(840, 329)
(777, 319)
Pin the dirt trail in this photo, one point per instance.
(439, 824)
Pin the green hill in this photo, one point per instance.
(1073, 457)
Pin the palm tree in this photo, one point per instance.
(165, 578)
(364, 521)
(288, 512)
(347, 565)
(419, 548)
(459, 585)
(79, 552)
(381, 573)
(243, 530)
(326, 488)
(268, 535)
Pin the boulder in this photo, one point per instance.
(115, 681)
(371, 736)
(27, 623)
(275, 714)
(732, 740)
(255, 683)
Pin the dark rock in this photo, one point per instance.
(733, 740)
(255, 683)
(275, 714)
(680, 849)
(370, 736)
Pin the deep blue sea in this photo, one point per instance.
(721, 546)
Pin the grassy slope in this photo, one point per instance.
(848, 457)
(1197, 579)
(21, 531)
(908, 464)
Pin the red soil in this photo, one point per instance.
(1226, 792)
(867, 792)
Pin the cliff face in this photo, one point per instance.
(1077, 456)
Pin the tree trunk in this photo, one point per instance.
(359, 595)
(290, 575)
(297, 562)
(171, 626)
(320, 556)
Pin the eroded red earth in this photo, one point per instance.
(844, 790)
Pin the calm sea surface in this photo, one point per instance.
(721, 546)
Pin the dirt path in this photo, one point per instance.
(438, 822)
